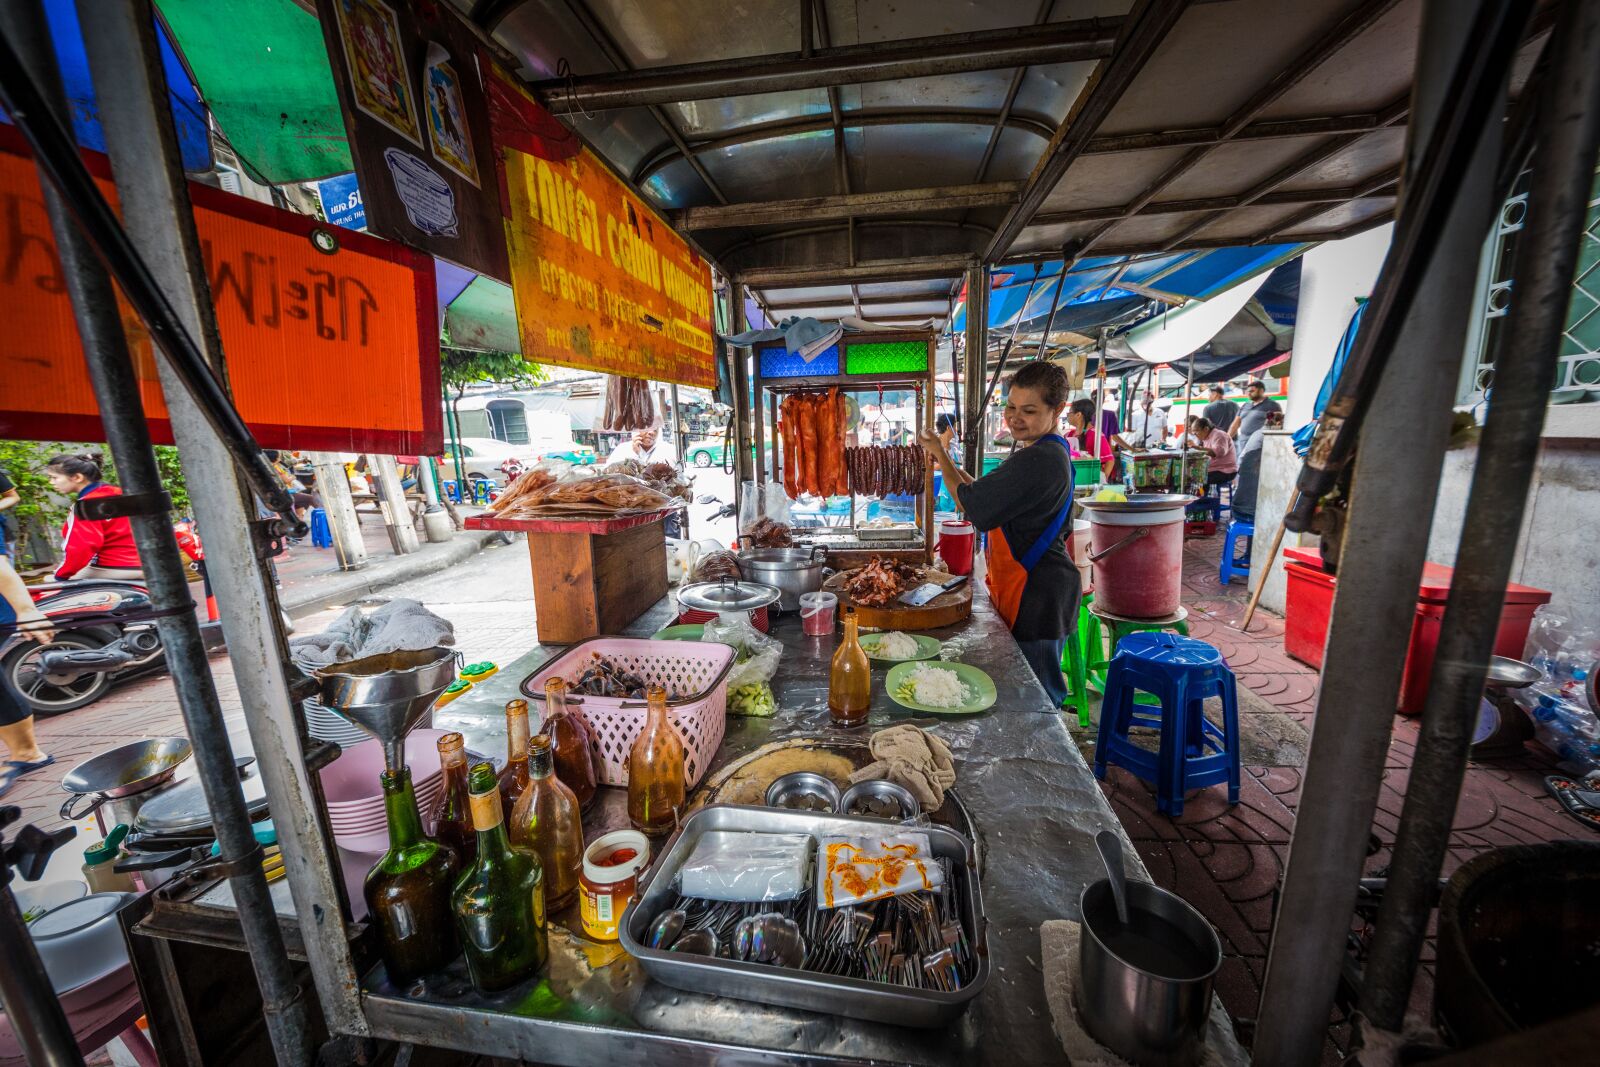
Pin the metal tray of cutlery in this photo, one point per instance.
(856, 998)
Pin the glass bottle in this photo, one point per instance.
(572, 742)
(547, 819)
(849, 677)
(499, 901)
(408, 890)
(514, 775)
(452, 819)
(656, 780)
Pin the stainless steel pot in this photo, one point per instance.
(1146, 997)
(791, 571)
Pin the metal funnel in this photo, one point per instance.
(388, 695)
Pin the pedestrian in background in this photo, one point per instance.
(1220, 412)
(17, 611)
(1252, 418)
(91, 548)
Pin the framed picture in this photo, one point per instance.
(447, 115)
(379, 81)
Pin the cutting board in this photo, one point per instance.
(946, 609)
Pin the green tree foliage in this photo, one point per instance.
(461, 367)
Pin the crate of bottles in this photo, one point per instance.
(694, 674)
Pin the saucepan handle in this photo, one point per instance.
(1143, 531)
(70, 815)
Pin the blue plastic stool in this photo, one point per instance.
(1236, 529)
(452, 490)
(481, 487)
(321, 536)
(1194, 751)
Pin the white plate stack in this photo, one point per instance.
(354, 792)
(325, 724)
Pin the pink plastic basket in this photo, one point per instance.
(699, 668)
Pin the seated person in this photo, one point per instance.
(1219, 446)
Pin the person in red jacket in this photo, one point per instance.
(91, 548)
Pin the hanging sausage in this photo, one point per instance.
(811, 429)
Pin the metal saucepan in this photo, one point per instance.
(791, 571)
(1144, 989)
(124, 771)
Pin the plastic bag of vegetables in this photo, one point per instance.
(749, 691)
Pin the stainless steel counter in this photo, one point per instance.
(1036, 808)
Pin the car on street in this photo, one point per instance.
(482, 457)
(710, 452)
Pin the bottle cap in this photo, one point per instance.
(107, 849)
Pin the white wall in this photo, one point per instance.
(1332, 276)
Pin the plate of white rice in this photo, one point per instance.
(940, 688)
(897, 647)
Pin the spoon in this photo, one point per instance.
(777, 941)
(697, 942)
(668, 925)
(1111, 855)
(743, 936)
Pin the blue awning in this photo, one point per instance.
(189, 114)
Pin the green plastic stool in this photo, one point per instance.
(1073, 667)
(1120, 626)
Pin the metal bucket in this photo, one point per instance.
(1149, 1006)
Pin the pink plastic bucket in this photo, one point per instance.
(1138, 565)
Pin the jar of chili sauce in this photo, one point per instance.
(611, 868)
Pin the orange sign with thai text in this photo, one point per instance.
(326, 350)
(600, 281)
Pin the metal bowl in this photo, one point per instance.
(1507, 673)
(804, 791)
(873, 797)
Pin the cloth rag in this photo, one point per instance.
(910, 756)
(399, 626)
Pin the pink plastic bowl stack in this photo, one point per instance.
(355, 795)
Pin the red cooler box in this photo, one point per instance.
(1309, 601)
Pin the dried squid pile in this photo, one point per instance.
(887, 470)
(812, 427)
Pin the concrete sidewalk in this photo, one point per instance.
(310, 579)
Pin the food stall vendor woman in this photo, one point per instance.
(1024, 505)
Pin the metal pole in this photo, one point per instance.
(344, 525)
(392, 502)
(1380, 570)
(977, 366)
(678, 424)
(41, 1027)
(740, 443)
(1565, 141)
(121, 405)
(125, 62)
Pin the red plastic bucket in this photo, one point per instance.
(1138, 561)
(956, 541)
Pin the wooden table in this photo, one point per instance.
(590, 576)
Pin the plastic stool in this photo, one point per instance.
(321, 536)
(1098, 658)
(481, 488)
(452, 490)
(1074, 667)
(1236, 530)
(1194, 751)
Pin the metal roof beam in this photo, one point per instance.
(859, 302)
(1319, 198)
(1142, 33)
(1331, 41)
(1377, 185)
(868, 270)
(848, 205)
(920, 57)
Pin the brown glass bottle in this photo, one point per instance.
(408, 890)
(514, 775)
(499, 901)
(571, 743)
(548, 820)
(656, 780)
(452, 818)
(849, 677)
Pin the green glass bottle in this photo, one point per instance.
(499, 901)
(408, 890)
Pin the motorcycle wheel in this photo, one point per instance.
(20, 664)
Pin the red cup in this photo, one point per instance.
(956, 541)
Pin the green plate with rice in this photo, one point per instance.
(979, 692)
(927, 648)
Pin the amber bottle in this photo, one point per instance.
(408, 890)
(548, 820)
(657, 783)
(499, 901)
(514, 775)
(452, 818)
(571, 744)
(849, 677)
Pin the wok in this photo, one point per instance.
(123, 771)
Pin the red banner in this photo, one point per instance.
(326, 350)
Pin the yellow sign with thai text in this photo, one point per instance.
(600, 281)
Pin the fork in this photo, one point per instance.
(941, 971)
